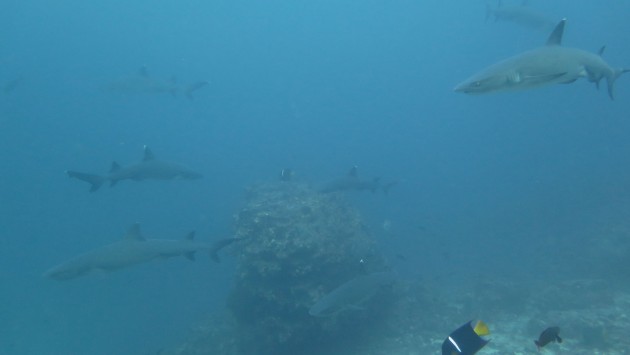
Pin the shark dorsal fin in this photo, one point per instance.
(143, 71)
(190, 236)
(555, 38)
(133, 233)
(353, 172)
(601, 50)
(148, 154)
(115, 167)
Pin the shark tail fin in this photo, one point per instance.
(488, 11)
(492, 11)
(611, 81)
(95, 180)
(194, 87)
(214, 252)
(389, 185)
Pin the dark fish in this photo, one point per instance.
(466, 340)
(549, 335)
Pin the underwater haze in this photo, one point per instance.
(524, 186)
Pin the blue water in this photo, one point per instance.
(505, 185)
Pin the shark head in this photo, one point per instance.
(487, 82)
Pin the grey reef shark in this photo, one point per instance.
(522, 15)
(131, 250)
(148, 169)
(144, 83)
(546, 65)
(351, 181)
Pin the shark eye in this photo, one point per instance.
(477, 84)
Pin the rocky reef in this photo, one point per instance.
(296, 246)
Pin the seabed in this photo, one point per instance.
(299, 244)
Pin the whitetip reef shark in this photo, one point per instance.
(351, 294)
(131, 250)
(546, 65)
(521, 15)
(148, 169)
(351, 181)
(144, 83)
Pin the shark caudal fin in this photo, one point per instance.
(611, 81)
(95, 180)
(388, 186)
(190, 237)
(194, 87)
(214, 252)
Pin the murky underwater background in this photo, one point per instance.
(509, 207)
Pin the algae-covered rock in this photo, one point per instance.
(297, 245)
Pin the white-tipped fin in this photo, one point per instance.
(555, 38)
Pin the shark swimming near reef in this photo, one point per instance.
(351, 181)
(546, 65)
(131, 250)
(148, 169)
(351, 294)
(144, 83)
(522, 15)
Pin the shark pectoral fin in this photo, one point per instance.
(569, 81)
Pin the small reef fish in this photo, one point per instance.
(466, 340)
(548, 335)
